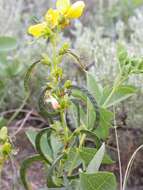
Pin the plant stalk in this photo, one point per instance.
(118, 152)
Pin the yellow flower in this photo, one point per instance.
(37, 30)
(76, 10)
(70, 11)
(63, 5)
(52, 17)
(58, 17)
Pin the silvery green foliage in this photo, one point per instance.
(14, 14)
(9, 16)
(98, 46)
(96, 49)
(135, 46)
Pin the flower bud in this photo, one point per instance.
(54, 102)
(67, 84)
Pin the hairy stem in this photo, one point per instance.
(129, 166)
(118, 152)
(63, 120)
(119, 80)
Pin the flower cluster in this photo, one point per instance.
(57, 18)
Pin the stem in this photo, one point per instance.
(66, 135)
(130, 165)
(82, 140)
(54, 44)
(77, 59)
(119, 80)
(14, 171)
(118, 152)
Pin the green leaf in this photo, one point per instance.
(87, 154)
(122, 93)
(73, 114)
(95, 163)
(75, 184)
(98, 181)
(106, 117)
(106, 92)
(94, 89)
(91, 115)
(122, 55)
(7, 43)
(51, 182)
(46, 147)
(28, 75)
(93, 86)
(73, 160)
(31, 134)
(83, 116)
(79, 95)
(89, 100)
(56, 145)
(92, 136)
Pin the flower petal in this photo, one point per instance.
(54, 102)
(52, 17)
(63, 5)
(37, 30)
(76, 10)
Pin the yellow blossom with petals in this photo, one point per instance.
(58, 17)
(52, 17)
(70, 11)
(76, 10)
(37, 30)
(63, 5)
